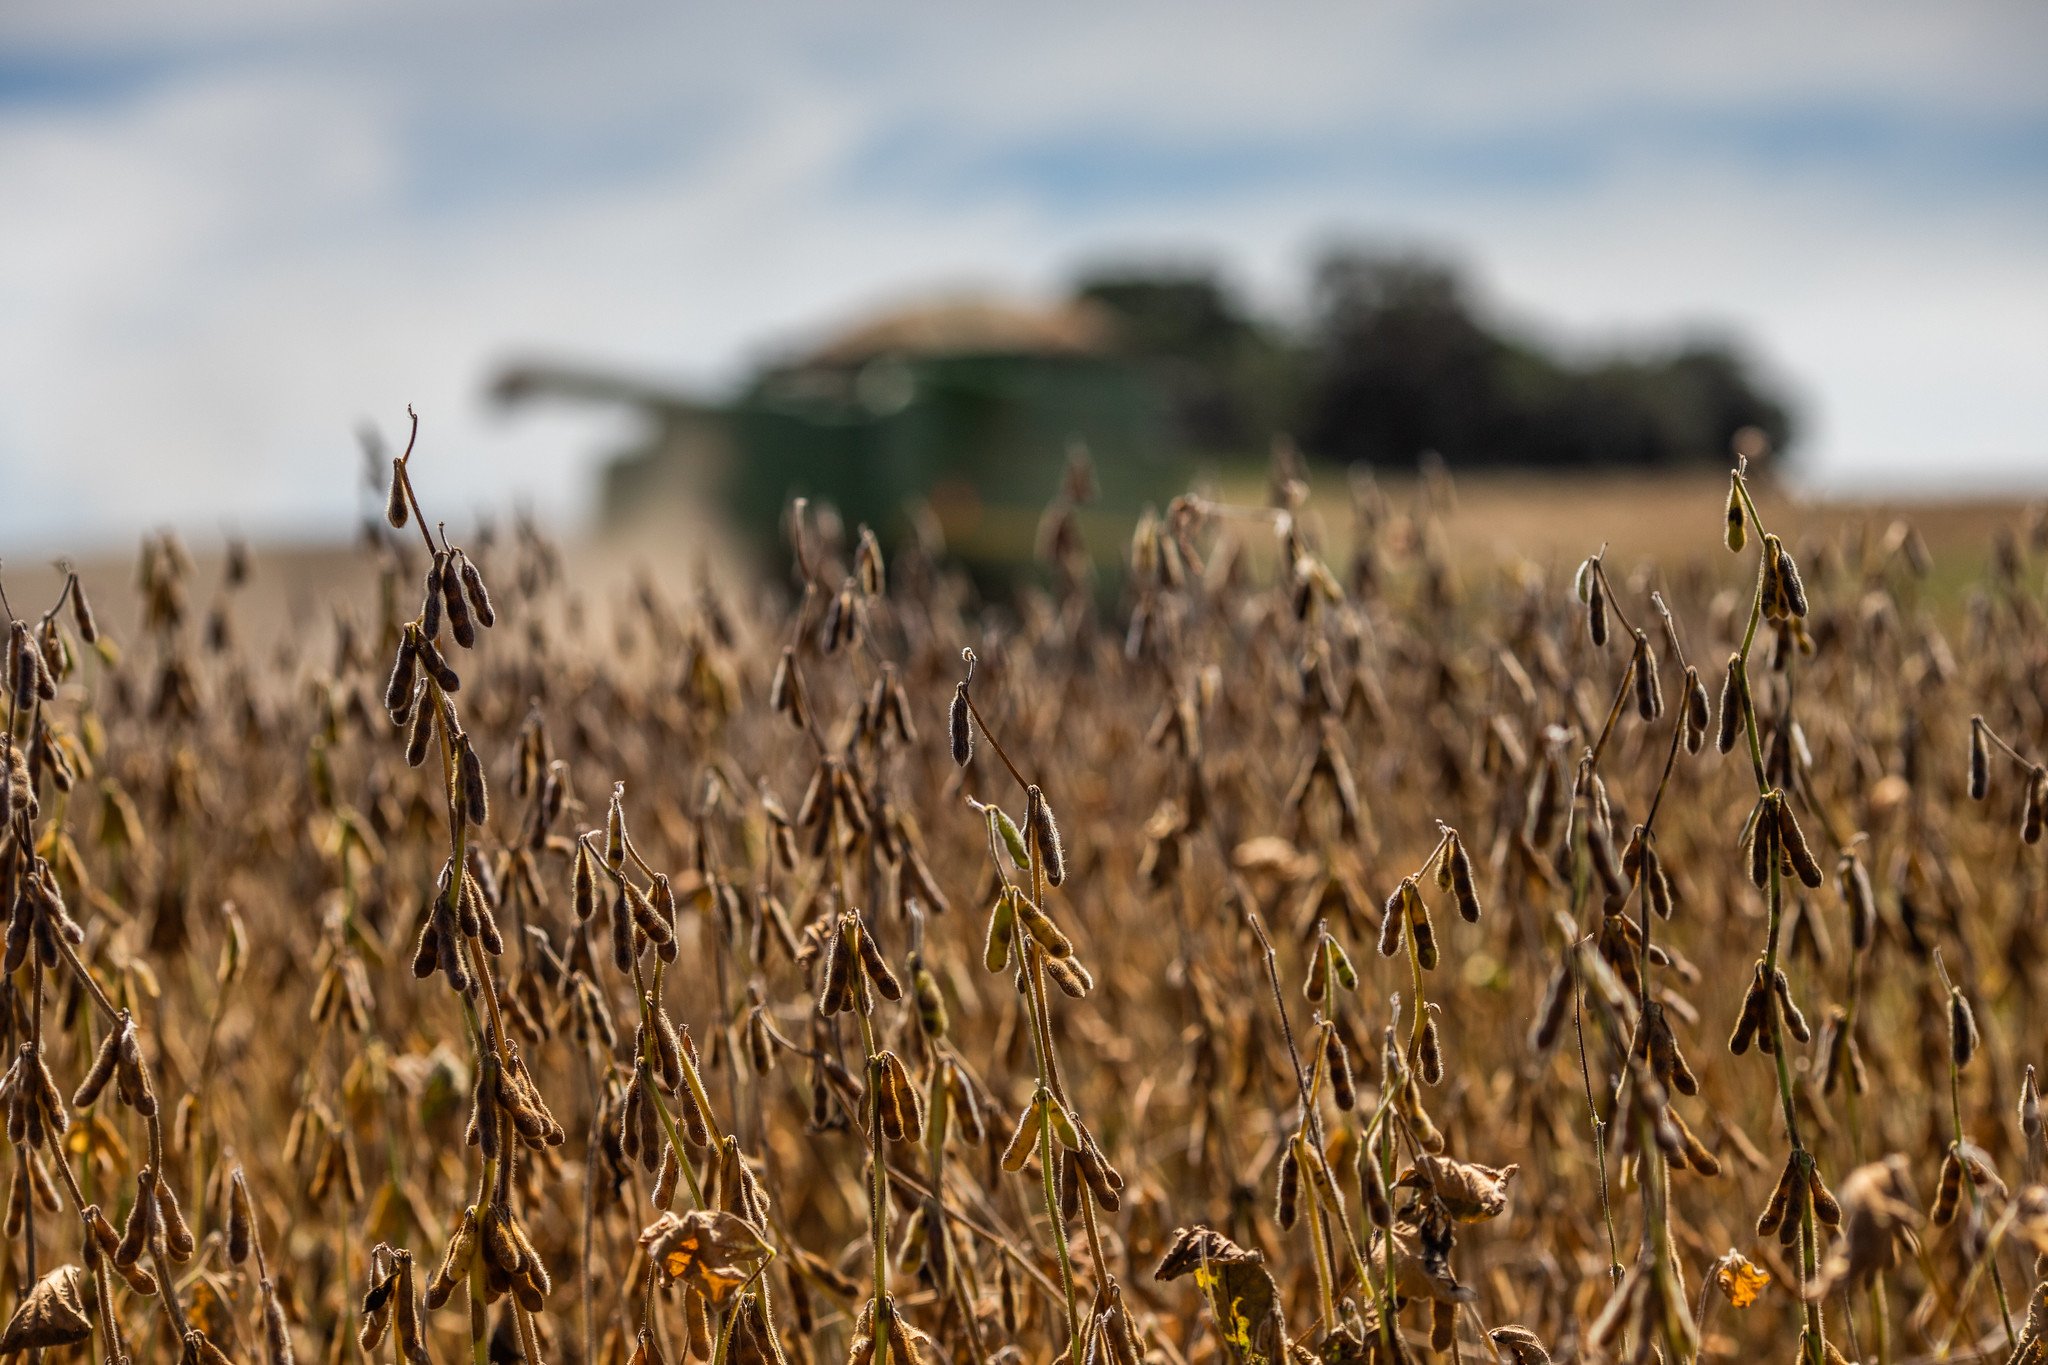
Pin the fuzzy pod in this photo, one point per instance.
(1804, 864)
(1421, 931)
(1861, 903)
(1790, 585)
(1073, 979)
(931, 1002)
(1980, 760)
(1701, 1160)
(1551, 1014)
(476, 799)
(1287, 1188)
(584, 888)
(1041, 927)
(103, 1064)
(436, 665)
(1649, 691)
(876, 966)
(1962, 1030)
(142, 1220)
(178, 1238)
(1734, 702)
(81, 613)
(1343, 1085)
(1463, 890)
(405, 670)
(1699, 712)
(397, 510)
(1780, 1205)
(1043, 836)
(960, 727)
(478, 595)
(1750, 1019)
(430, 604)
(1392, 916)
(1795, 1022)
(1763, 847)
(1024, 1136)
(1948, 1192)
(837, 993)
(1002, 921)
(461, 624)
(645, 917)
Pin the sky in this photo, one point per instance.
(232, 231)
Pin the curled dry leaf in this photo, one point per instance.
(714, 1252)
(1468, 1191)
(57, 1312)
(1739, 1279)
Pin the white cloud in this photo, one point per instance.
(287, 219)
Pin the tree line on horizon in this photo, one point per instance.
(1396, 358)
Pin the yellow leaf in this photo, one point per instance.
(1740, 1279)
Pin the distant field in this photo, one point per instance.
(1488, 518)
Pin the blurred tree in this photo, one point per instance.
(1400, 362)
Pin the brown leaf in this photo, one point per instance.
(715, 1252)
(57, 1312)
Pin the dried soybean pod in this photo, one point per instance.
(877, 966)
(1343, 1086)
(1550, 1015)
(1795, 1022)
(103, 1064)
(81, 612)
(1392, 916)
(1649, 691)
(1024, 1136)
(1002, 922)
(1962, 1030)
(1043, 835)
(1793, 587)
(960, 727)
(1750, 1021)
(1040, 926)
(1825, 1206)
(836, 996)
(1735, 517)
(396, 508)
(1980, 760)
(461, 624)
(1948, 1190)
(1763, 845)
(1430, 1053)
(430, 605)
(1856, 893)
(178, 1238)
(142, 1218)
(1803, 862)
(1773, 1216)
(1733, 701)
(241, 1219)
(1287, 1187)
(1699, 711)
(1462, 888)
(479, 596)
(585, 885)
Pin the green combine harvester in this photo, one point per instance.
(966, 409)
